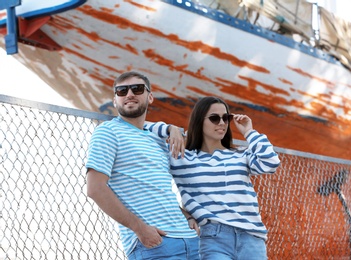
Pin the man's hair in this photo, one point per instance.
(132, 74)
(195, 128)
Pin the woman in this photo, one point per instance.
(213, 179)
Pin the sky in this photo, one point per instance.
(16, 78)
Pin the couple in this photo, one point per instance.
(128, 177)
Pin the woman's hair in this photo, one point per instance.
(196, 122)
(132, 74)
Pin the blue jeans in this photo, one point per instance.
(170, 248)
(219, 241)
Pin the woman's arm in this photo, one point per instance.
(191, 221)
(261, 155)
(174, 135)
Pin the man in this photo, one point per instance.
(128, 178)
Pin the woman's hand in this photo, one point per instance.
(176, 141)
(193, 225)
(243, 123)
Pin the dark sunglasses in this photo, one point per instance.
(215, 118)
(137, 89)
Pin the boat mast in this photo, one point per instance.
(315, 23)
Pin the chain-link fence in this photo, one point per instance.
(45, 213)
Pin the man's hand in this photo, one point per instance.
(150, 236)
(176, 141)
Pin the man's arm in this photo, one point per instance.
(104, 197)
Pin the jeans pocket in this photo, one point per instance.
(209, 230)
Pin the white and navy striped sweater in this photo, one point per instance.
(217, 187)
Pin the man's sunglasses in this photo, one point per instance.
(215, 118)
(137, 89)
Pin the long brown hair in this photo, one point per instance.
(196, 122)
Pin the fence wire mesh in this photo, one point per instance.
(45, 213)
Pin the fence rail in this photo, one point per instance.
(45, 213)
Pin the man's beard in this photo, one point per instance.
(132, 114)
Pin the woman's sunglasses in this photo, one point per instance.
(137, 89)
(215, 118)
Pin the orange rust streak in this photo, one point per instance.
(324, 96)
(193, 46)
(162, 61)
(285, 81)
(274, 101)
(140, 6)
(158, 58)
(200, 91)
(275, 90)
(163, 90)
(257, 98)
(105, 81)
(76, 46)
(86, 44)
(252, 95)
(327, 99)
(347, 106)
(327, 82)
(322, 110)
(64, 25)
(78, 54)
(113, 57)
(108, 10)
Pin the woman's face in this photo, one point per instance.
(213, 131)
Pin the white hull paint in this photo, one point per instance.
(187, 56)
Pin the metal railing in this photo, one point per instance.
(45, 213)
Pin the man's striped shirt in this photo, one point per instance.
(137, 163)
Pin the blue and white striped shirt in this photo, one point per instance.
(137, 162)
(217, 187)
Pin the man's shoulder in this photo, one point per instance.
(110, 124)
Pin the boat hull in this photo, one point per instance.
(297, 95)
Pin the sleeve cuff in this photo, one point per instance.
(248, 133)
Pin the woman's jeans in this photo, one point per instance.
(170, 248)
(219, 241)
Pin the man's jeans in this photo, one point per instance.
(219, 241)
(170, 248)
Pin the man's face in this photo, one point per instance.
(133, 105)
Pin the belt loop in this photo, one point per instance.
(219, 227)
